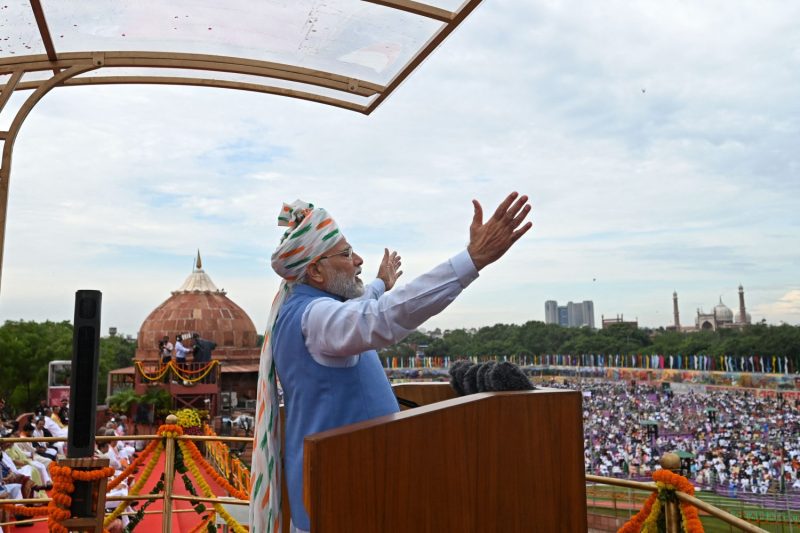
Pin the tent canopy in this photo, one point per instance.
(347, 53)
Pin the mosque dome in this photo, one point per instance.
(198, 306)
(722, 312)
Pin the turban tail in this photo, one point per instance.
(311, 233)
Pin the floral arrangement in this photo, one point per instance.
(64, 479)
(194, 460)
(192, 376)
(188, 459)
(137, 487)
(651, 519)
(191, 420)
(139, 515)
(21, 510)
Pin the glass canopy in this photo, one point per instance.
(346, 53)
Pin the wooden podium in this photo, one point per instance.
(504, 462)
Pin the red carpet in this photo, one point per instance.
(184, 518)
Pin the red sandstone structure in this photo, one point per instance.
(198, 306)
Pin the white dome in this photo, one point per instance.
(722, 312)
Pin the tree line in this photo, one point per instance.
(26, 348)
(537, 338)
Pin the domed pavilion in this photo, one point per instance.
(199, 307)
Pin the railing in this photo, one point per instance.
(227, 464)
(239, 480)
(633, 499)
(155, 372)
(170, 439)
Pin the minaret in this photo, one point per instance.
(675, 310)
(742, 310)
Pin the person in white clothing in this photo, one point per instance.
(57, 431)
(103, 451)
(49, 449)
(118, 451)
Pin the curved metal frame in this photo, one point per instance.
(66, 67)
(11, 135)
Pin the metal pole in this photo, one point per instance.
(169, 478)
(672, 511)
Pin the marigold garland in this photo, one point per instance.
(190, 462)
(63, 486)
(125, 474)
(134, 490)
(201, 461)
(647, 519)
(134, 520)
(170, 430)
(202, 526)
(635, 524)
(63, 477)
(21, 510)
(192, 376)
(229, 466)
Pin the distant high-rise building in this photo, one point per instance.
(588, 313)
(573, 315)
(563, 316)
(551, 312)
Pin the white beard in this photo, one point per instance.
(345, 287)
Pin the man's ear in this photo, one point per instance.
(314, 274)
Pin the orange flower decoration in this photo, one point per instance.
(667, 481)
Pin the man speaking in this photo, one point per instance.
(323, 330)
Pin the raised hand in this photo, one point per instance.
(488, 242)
(389, 271)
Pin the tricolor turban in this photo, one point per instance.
(311, 233)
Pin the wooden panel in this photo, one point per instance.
(510, 462)
(424, 393)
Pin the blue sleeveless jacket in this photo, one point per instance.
(319, 397)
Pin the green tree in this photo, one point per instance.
(26, 348)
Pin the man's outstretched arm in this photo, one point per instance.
(334, 328)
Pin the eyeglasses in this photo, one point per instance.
(347, 252)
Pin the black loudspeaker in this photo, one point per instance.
(85, 360)
(83, 391)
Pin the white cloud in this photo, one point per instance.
(787, 306)
(690, 185)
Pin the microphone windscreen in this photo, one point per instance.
(507, 376)
(456, 372)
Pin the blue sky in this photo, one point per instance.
(658, 143)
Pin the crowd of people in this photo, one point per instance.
(24, 465)
(120, 453)
(731, 440)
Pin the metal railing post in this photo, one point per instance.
(672, 511)
(169, 478)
